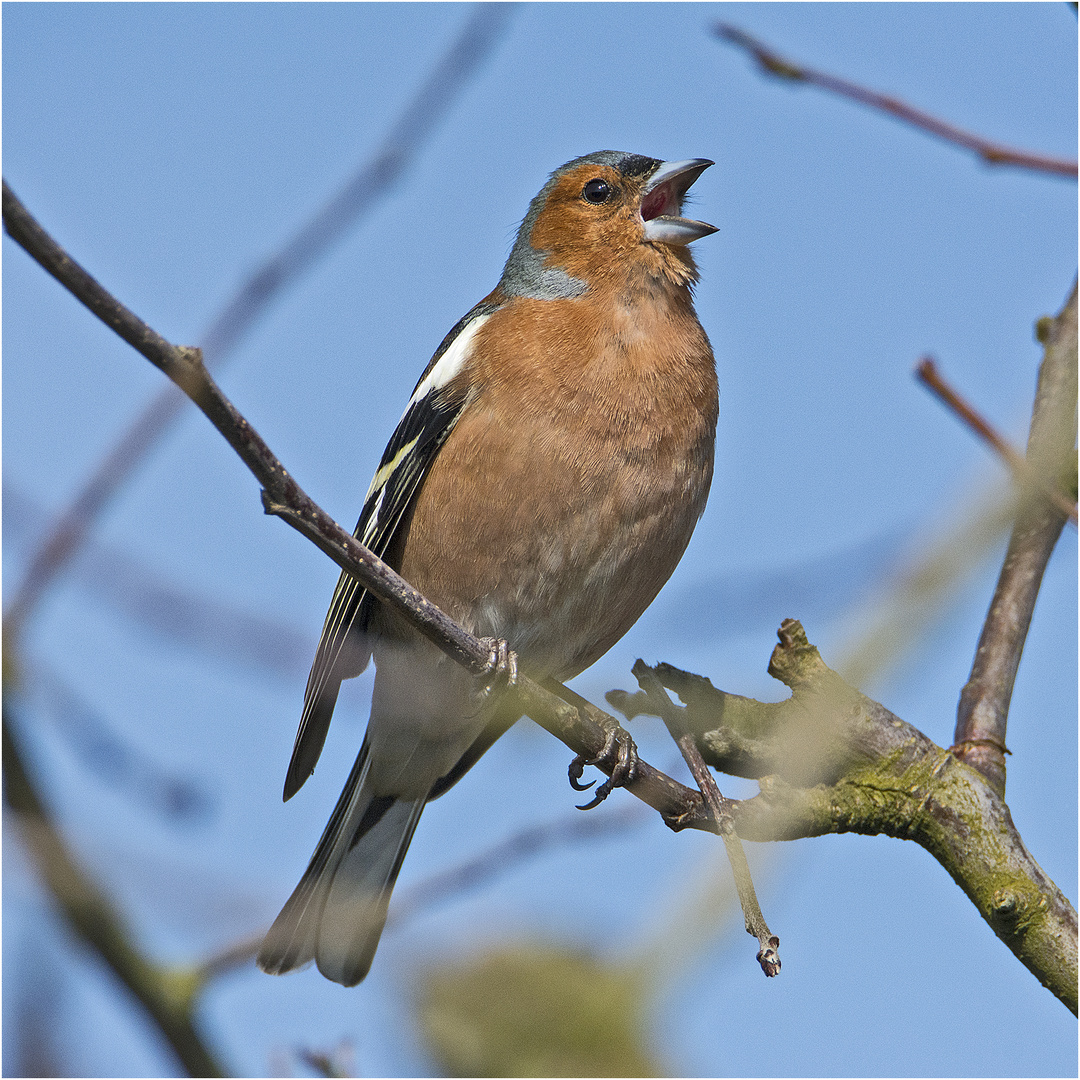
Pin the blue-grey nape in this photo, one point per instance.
(525, 273)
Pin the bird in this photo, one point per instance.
(540, 487)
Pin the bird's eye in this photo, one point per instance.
(596, 191)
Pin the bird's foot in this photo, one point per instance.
(619, 754)
(501, 672)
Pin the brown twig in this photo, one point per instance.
(992, 153)
(769, 951)
(927, 373)
(315, 237)
(983, 713)
(721, 814)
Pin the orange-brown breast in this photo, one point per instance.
(556, 524)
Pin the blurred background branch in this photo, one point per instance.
(95, 919)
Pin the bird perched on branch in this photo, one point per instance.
(540, 488)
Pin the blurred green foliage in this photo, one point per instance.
(537, 1010)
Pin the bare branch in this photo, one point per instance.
(927, 373)
(983, 713)
(992, 153)
(720, 813)
(94, 919)
(361, 192)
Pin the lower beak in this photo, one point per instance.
(661, 203)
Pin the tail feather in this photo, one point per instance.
(355, 910)
(337, 912)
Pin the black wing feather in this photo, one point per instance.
(343, 650)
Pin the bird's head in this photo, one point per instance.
(603, 216)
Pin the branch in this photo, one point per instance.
(361, 192)
(721, 814)
(992, 153)
(166, 998)
(983, 712)
(830, 760)
(927, 373)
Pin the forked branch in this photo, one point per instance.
(829, 760)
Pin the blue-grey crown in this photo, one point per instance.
(525, 273)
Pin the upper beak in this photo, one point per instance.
(661, 203)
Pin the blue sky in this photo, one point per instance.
(173, 147)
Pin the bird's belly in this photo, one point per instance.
(580, 550)
(569, 600)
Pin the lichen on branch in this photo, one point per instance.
(831, 760)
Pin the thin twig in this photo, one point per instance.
(720, 810)
(375, 177)
(983, 713)
(769, 952)
(992, 153)
(927, 373)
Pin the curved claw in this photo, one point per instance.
(577, 768)
(602, 792)
(502, 661)
(619, 753)
(600, 796)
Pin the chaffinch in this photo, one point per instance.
(540, 488)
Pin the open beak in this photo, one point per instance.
(661, 203)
